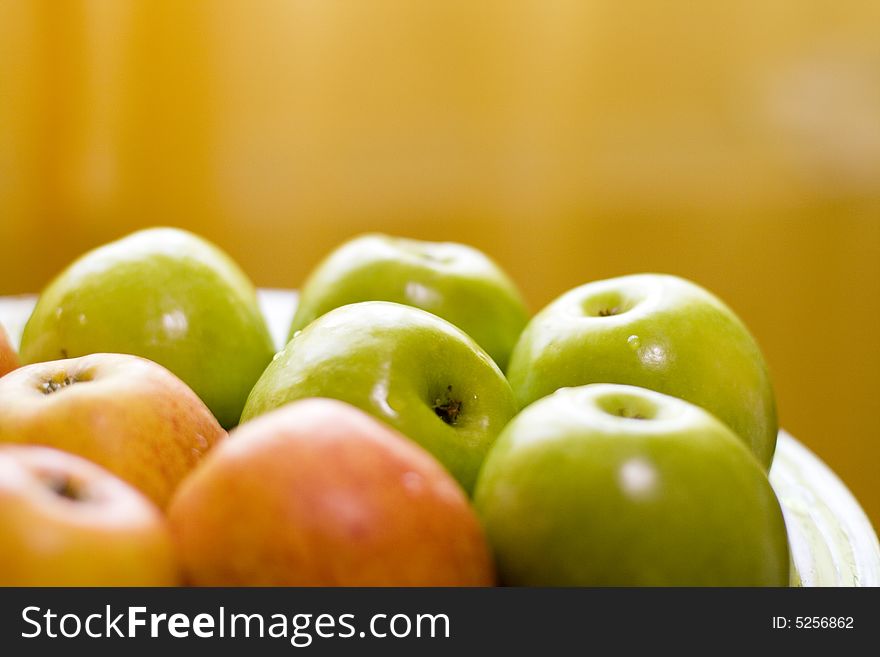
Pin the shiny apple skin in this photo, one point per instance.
(111, 536)
(574, 494)
(319, 493)
(396, 362)
(673, 337)
(453, 281)
(164, 294)
(125, 413)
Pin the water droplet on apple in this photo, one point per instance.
(634, 342)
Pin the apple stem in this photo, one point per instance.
(55, 384)
(448, 410)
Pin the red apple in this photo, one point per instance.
(8, 357)
(320, 493)
(67, 522)
(126, 413)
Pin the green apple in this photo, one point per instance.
(125, 413)
(610, 485)
(8, 357)
(164, 294)
(654, 331)
(453, 281)
(67, 522)
(415, 371)
(318, 493)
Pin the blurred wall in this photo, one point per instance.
(735, 142)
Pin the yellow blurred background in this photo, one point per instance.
(736, 143)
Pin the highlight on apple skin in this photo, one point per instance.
(407, 367)
(318, 493)
(67, 522)
(454, 281)
(164, 294)
(655, 331)
(125, 413)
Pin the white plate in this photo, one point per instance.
(832, 541)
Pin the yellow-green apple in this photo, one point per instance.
(610, 485)
(8, 357)
(164, 294)
(126, 413)
(655, 331)
(318, 493)
(415, 371)
(67, 522)
(456, 282)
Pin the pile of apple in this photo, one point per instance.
(417, 429)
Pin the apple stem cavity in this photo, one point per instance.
(607, 304)
(62, 379)
(63, 486)
(56, 383)
(448, 409)
(628, 407)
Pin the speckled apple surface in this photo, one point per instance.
(832, 541)
(126, 413)
(319, 493)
